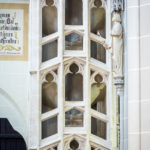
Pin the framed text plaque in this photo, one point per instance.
(13, 31)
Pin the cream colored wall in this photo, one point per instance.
(138, 74)
(14, 90)
(14, 94)
(145, 73)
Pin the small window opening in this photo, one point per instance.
(74, 84)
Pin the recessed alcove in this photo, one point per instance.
(49, 94)
(73, 12)
(98, 19)
(74, 84)
(49, 127)
(92, 148)
(49, 18)
(74, 145)
(98, 95)
(49, 51)
(98, 51)
(73, 118)
(74, 41)
(98, 127)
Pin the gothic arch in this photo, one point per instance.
(14, 113)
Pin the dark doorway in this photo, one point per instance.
(9, 138)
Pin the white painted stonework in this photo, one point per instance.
(126, 43)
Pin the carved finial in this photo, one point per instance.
(117, 5)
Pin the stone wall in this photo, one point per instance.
(138, 74)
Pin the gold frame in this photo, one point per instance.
(25, 7)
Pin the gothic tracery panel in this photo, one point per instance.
(74, 142)
(73, 76)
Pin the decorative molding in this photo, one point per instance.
(79, 139)
(97, 146)
(101, 40)
(119, 82)
(80, 66)
(50, 147)
(104, 76)
(43, 76)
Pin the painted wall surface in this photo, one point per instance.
(139, 73)
(14, 94)
(14, 90)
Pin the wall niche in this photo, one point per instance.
(49, 94)
(98, 95)
(98, 19)
(74, 84)
(49, 18)
(73, 12)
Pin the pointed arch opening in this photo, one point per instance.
(98, 19)
(49, 94)
(49, 18)
(74, 84)
(98, 94)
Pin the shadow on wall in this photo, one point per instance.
(10, 110)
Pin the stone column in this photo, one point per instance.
(119, 83)
(117, 67)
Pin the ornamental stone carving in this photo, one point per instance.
(117, 44)
(117, 5)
